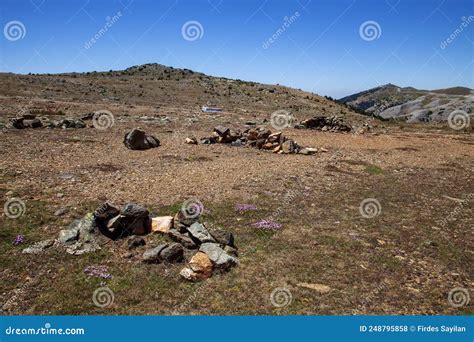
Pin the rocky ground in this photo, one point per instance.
(308, 242)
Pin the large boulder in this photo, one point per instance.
(137, 139)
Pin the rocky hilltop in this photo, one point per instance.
(157, 90)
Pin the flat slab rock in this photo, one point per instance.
(200, 233)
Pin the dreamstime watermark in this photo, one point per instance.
(281, 297)
(456, 210)
(287, 21)
(370, 30)
(103, 119)
(192, 208)
(14, 208)
(379, 288)
(370, 208)
(458, 297)
(14, 30)
(281, 119)
(465, 23)
(46, 330)
(192, 30)
(458, 120)
(110, 21)
(190, 299)
(103, 297)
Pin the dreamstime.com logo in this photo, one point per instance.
(192, 30)
(370, 208)
(14, 30)
(103, 297)
(46, 330)
(370, 30)
(103, 119)
(458, 120)
(458, 297)
(281, 297)
(14, 208)
(281, 119)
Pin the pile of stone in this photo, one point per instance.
(215, 251)
(137, 139)
(31, 121)
(260, 137)
(325, 123)
(208, 251)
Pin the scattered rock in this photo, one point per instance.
(84, 247)
(61, 211)
(135, 241)
(201, 265)
(16, 123)
(153, 255)
(172, 253)
(183, 239)
(321, 289)
(224, 238)
(68, 235)
(191, 141)
(231, 251)
(308, 151)
(34, 123)
(189, 274)
(38, 247)
(289, 146)
(325, 123)
(137, 139)
(161, 224)
(218, 256)
(199, 233)
(133, 219)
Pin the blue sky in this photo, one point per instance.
(321, 48)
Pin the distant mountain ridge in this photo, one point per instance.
(411, 104)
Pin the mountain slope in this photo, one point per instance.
(413, 105)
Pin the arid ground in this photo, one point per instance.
(405, 260)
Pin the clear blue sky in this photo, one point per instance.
(320, 50)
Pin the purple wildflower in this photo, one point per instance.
(240, 207)
(19, 239)
(267, 224)
(98, 271)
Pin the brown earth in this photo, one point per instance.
(403, 261)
